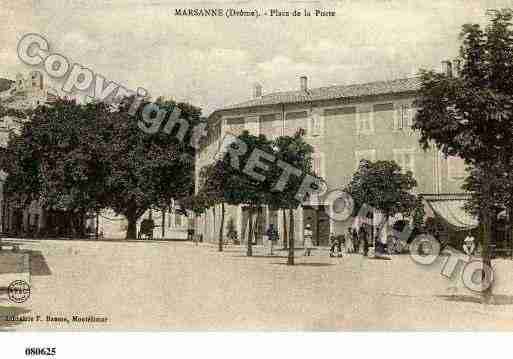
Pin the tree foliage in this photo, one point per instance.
(383, 186)
(470, 115)
(296, 152)
(93, 156)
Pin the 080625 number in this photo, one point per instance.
(39, 351)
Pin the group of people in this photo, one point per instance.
(353, 241)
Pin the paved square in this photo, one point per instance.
(178, 286)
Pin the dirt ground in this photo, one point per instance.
(143, 285)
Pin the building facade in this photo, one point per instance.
(344, 124)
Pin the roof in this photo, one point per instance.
(332, 92)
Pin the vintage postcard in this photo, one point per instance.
(256, 165)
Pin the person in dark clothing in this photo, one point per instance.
(356, 242)
(272, 235)
(364, 240)
(336, 242)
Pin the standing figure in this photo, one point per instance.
(469, 245)
(336, 242)
(308, 237)
(356, 242)
(349, 241)
(190, 229)
(363, 238)
(272, 235)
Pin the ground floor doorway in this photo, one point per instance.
(259, 225)
(319, 222)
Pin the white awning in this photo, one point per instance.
(452, 212)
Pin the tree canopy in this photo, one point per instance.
(383, 186)
(92, 156)
(470, 115)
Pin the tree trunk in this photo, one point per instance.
(486, 216)
(132, 217)
(509, 228)
(214, 219)
(97, 234)
(290, 259)
(82, 223)
(164, 223)
(221, 229)
(250, 233)
(204, 234)
(485, 252)
(71, 231)
(131, 232)
(285, 237)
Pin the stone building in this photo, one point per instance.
(344, 124)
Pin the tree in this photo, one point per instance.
(383, 186)
(296, 152)
(195, 204)
(93, 156)
(213, 189)
(240, 184)
(148, 169)
(470, 115)
(56, 162)
(501, 199)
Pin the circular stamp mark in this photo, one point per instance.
(18, 291)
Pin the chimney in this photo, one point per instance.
(447, 68)
(257, 90)
(303, 83)
(456, 67)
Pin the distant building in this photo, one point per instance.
(344, 124)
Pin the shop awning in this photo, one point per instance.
(452, 211)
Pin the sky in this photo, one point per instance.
(212, 62)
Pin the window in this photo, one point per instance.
(455, 168)
(296, 115)
(236, 125)
(271, 125)
(405, 158)
(404, 117)
(315, 125)
(319, 169)
(364, 121)
(252, 125)
(294, 121)
(340, 111)
(318, 163)
(178, 220)
(384, 114)
(214, 132)
(369, 155)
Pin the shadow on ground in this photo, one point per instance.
(308, 264)
(259, 256)
(38, 265)
(497, 299)
(9, 311)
